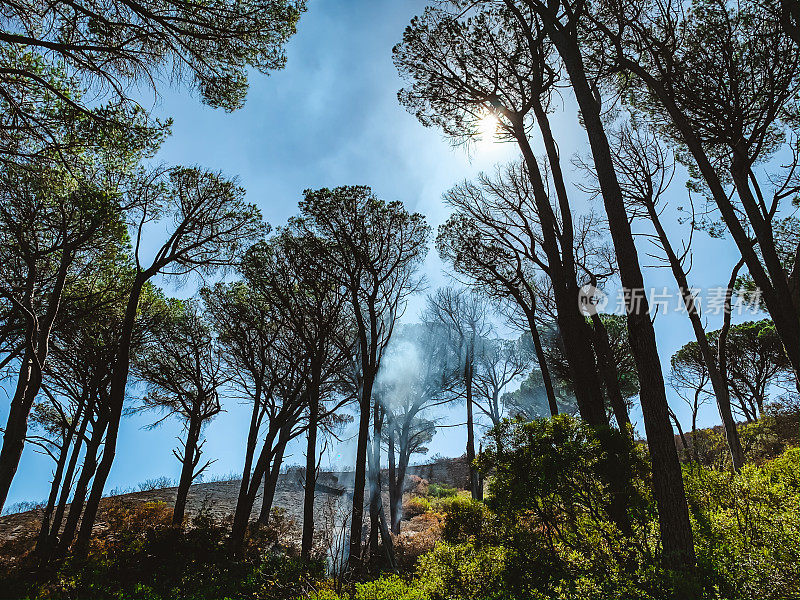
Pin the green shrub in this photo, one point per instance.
(440, 490)
(389, 588)
(747, 528)
(465, 519)
(416, 505)
(143, 557)
(463, 571)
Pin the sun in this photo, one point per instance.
(487, 128)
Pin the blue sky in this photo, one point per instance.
(331, 118)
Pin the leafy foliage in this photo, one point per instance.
(139, 555)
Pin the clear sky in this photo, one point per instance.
(330, 118)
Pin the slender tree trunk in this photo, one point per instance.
(44, 530)
(718, 382)
(16, 430)
(695, 408)
(675, 420)
(774, 286)
(250, 447)
(357, 518)
(571, 324)
(189, 462)
(119, 381)
(311, 474)
(404, 457)
(375, 479)
(610, 375)
(30, 378)
(270, 484)
(543, 368)
(244, 504)
(88, 471)
(468, 373)
(395, 486)
(668, 489)
(722, 340)
(66, 486)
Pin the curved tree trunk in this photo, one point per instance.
(271, 483)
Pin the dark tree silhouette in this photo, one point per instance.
(376, 247)
(55, 225)
(293, 270)
(465, 63)
(720, 81)
(508, 46)
(181, 367)
(113, 49)
(211, 225)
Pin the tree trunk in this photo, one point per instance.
(30, 379)
(79, 497)
(610, 375)
(44, 530)
(722, 340)
(244, 503)
(119, 381)
(718, 382)
(271, 483)
(571, 324)
(311, 475)
(468, 373)
(189, 463)
(66, 486)
(778, 300)
(16, 430)
(682, 435)
(359, 481)
(543, 368)
(395, 487)
(668, 489)
(250, 447)
(375, 479)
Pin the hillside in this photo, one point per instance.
(218, 499)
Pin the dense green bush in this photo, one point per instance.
(440, 490)
(747, 527)
(139, 555)
(545, 530)
(463, 571)
(465, 520)
(390, 587)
